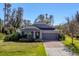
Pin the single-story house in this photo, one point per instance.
(40, 31)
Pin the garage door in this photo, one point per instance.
(50, 36)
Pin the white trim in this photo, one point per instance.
(34, 34)
(40, 35)
(49, 31)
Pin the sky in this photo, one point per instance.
(59, 10)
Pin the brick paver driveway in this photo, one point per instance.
(56, 48)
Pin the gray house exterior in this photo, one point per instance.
(40, 31)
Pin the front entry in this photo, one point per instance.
(30, 35)
(37, 35)
(27, 35)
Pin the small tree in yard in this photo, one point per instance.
(71, 28)
(68, 26)
(72, 31)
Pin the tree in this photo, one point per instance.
(27, 22)
(7, 10)
(35, 20)
(13, 17)
(41, 18)
(77, 22)
(45, 19)
(51, 21)
(68, 25)
(46, 16)
(72, 26)
(77, 16)
(1, 25)
(19, 17)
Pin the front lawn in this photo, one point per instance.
(68, 42)
(22, 49)
(2, 36)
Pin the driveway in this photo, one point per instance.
(56, 48)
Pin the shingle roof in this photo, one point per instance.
(43, 26)
(30, 28)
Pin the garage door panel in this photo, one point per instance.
(50, 36)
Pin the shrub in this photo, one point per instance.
(7, 38)
(77, 36)
(15, 37)
(61, 37)
(12, 37)
(6, 31)
(34, 40)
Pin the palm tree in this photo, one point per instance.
(68, 23)
(41, 18)
(46, 16)
(51, 21)
(45, 19)
(27, 22)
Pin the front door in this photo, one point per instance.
(37, 35)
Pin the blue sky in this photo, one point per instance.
(58, 10)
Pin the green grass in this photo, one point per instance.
(68, 42)
(2, 36)
(22, 49)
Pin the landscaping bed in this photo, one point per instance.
(68, 42)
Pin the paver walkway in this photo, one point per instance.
(56, 48)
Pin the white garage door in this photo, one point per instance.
(49, 36)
